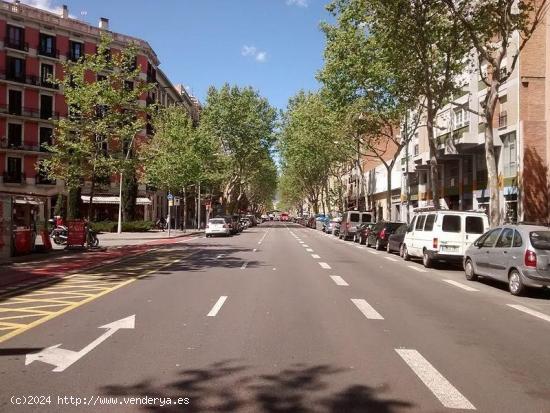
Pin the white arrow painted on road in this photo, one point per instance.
(62, 358)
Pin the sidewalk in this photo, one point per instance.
(33, 268)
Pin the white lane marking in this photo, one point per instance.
(460, 285)
(534, 313)
(309, 250)
(366, 309)
(255, 249)
(305, 245)
(339, 280)
(445, 392)
(413, 267)
(260, 241)
(220, 256)
(325, 265)
(217, 306)
(244, 265)
(315, 256)
(390, 259)
(359, 246)
(372, 252)
(301, 242)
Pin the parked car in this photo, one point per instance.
(516, 254)
(233, 224)
(245, 222)
(217, 226)
(321, 221)
(351, 220)
(362, 233)
(333, 226)
(442, 235)
(253, 220)
(395, 240)
(378, 236)
(310, 223)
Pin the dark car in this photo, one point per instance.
(395, 241)
(378, 236)
(233, 222)
(363, 232)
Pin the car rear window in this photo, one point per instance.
(451, 223)
(354, 217)
(540, 239)
(430, 220)
(474, 225)
(367, 217)
(402, 229)
(217, 221)
(420, 222)
(517, 239)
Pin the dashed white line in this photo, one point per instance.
(339, 280)
(244, 265)
(366, 309)
(254, 250)
(309, 250)
(372, 252)
(214, 311)
(260, 241)
(413, 267)
(445, 392)
(220, 256)
(315, 256)
(460, 285)
(325, 265)
(301, 242)
(527, 310)
(305, 245)
(390, 259)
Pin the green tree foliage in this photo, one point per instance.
(490, 26)
(308, 146)
(243, 124)
(102, 92)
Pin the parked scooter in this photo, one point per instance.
(59, 235)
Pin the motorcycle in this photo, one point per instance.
(59, 235)
(92, 241)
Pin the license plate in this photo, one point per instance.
(449, 248)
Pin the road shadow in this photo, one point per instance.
(18, 351)
(229, 387)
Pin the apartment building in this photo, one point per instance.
(33, 48)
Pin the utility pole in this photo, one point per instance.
(184, 210)
(357, 171)
(199, 208)
(407, 188)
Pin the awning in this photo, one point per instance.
(113, 200)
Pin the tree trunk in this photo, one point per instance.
(129, 196)
(184, 210)
(492, 173)
(91, 205)
(434, 171)
(74, 203)
(388, 193)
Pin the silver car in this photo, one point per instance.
(516, 254)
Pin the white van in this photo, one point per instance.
(442, 235)
(351, 220)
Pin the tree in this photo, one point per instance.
(262, 187)
(243, 123)
(412, 46)
(102, 92)
(490, 26)
(308, 146)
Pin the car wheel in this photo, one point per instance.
(388, 249)
(426, 260)
(361, 240)
(367, 242)
(354, 237)
(515, 284)
(378, 246)
(469, 270)
(405, 253)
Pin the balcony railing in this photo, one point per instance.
(42, 179)
(73, 57)
(13, 44)
(29, 80)
(49, 53)
(11, 177)
(28, 112)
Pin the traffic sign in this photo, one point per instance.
(170, 197)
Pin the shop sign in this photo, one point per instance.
(76, 233)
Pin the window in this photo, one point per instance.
(46, 106)
(15, 69)
(45, 137)
(459, 119)
(366, 218)
(416, 149)
(430, 220)
(410, 228)
(15, 102)
(509, 154)
(14, 170)
(47, 45)
(420, 222)
(151, 73)
(46, 74)
(15, 38)
(474, 225)
(76, 50)
(518, 242)
(354, 217)
(505, 239)
(490, 238)
(451, 223)
(128, 85)
(15, 135)
(540, 239)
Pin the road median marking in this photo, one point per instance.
(445, 392)
(309, 250)
(460, 285)
(339, 280)
(529, 311)
(367, 310)
(413, 267)
(325, 266)
(214, 311)
(315, 256)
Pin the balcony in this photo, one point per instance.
(53, 53)
(42, 179)
(74, 57)
(28, 112)
(11, 177)
(28, 80)
(14, 44)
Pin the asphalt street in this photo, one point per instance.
(279, 318)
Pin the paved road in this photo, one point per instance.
(280, 318)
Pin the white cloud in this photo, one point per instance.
(44, 5)
(299, 3)
(252, 51)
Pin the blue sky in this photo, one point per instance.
(273, 45)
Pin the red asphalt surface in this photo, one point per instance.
(57, 266)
